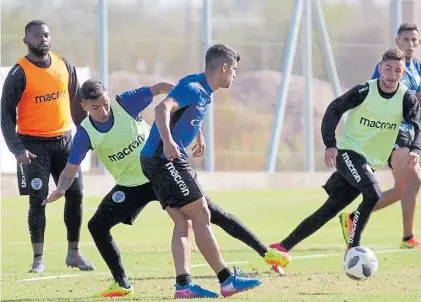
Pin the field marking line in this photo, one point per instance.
(46, 278)
(314, 256)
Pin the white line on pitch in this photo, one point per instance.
(46, 278)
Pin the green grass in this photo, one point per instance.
(146, 254)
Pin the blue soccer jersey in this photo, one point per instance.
(193, 95)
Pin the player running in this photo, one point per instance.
(164, 161)
(407, 178)
(116, 133)
(376, 109)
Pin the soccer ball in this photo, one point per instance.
(360, 263)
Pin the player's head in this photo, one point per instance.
(391, 68)
(222, 60)
(37, 38)
(408, 39)
(95, 100)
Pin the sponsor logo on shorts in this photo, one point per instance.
(354, 226)
(23, 178)
(118, 196)
(36, 183)
(128, 150)
(377, 124)
(351, 167)
(77, 175)
(177, 178)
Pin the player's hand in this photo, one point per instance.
(171, 150)
(25, 157)
(413, 159)
(53, 197)
(330, 157)
(199, 147)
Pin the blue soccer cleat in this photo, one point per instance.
(236, 284)
(191, 291)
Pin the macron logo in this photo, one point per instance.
(354, 226)
(351, 167)
(177, 178)
(50, 96)
(128, 150)
(377, 124)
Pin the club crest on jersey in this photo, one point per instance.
(138, 118)
(118, 196)
(36, 183)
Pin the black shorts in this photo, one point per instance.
(352, 171)
(123, 204)
(52, 155)
(403, 140)
(175, 182)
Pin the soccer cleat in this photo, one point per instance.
(236, 284)
(115, 290)
(346, 224)
(38, 266)
(278, 257)
(411, 243)
(76, 259)
(191, 291)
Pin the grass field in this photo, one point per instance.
(315, 274)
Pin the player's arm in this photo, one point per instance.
(351, 99)
(80, 147)
(161, 88)
(135, 101)
(412, 114)
(162, 117)
(78, 114)
(199, 147)
(13, 88)
(179, 97)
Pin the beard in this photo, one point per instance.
(39, 52)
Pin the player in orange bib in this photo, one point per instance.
(38, 103)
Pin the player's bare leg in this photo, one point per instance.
(199, 214)
(181, 250)
(412, 180)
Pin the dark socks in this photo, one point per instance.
(124, 282)
(183, 279)
(37, 255)
(224, 274)
(407, 238)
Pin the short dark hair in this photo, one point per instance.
(394, 54)
(91, 90)
(407, 27)
(34, 23)
(219, 54)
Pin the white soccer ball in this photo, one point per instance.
(360, 263)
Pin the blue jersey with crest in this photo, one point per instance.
(193, 95)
